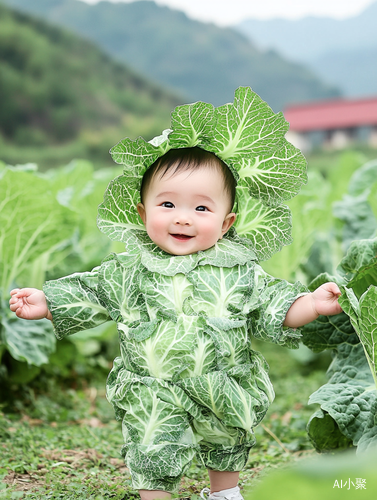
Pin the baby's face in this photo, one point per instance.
(186, 212)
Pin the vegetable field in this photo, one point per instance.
(58, 433)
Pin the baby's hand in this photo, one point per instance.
(29, 303)
(325, 299)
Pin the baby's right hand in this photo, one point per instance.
(29, 303)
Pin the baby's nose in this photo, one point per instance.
(183, 220)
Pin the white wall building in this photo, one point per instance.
(332, 124)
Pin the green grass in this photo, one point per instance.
(326, 161)
(64, 444)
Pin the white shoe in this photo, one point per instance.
(230, 494)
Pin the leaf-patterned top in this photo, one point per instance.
(222, 288)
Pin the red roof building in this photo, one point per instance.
(332, 124)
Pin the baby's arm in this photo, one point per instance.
(324, 300)
(29, 303)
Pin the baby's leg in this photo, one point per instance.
(222, 480)
(224, 463)
(154, 495)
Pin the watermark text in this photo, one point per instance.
(359, 484)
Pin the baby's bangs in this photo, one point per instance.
(188, 159)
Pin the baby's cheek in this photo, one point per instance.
(210, 231)
(156, 228)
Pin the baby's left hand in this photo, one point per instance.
(325, 299)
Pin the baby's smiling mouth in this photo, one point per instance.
(178, 236)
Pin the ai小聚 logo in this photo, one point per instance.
(359, 484)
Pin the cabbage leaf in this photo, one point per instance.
(350, 396)
(249, 137)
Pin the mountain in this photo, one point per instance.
(353, 70)
(57, 88)
(310, 37)
(199, 60)
(341, 52)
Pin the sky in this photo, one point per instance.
(230, 12)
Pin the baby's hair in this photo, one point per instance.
(187, 159)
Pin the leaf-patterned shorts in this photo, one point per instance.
(164, 427)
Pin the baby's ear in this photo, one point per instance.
(141, 211)
(228, 223)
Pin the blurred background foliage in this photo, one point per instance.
(75, 79)
(48, 229)
(328, 478)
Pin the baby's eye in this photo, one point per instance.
(201, 208)
(167, 204)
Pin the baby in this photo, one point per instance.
(187, 382)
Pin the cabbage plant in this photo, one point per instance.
(29, 216)
(348, 402)
(47, 228)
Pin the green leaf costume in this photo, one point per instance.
(188, 380)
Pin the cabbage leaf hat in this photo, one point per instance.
(249, 138)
